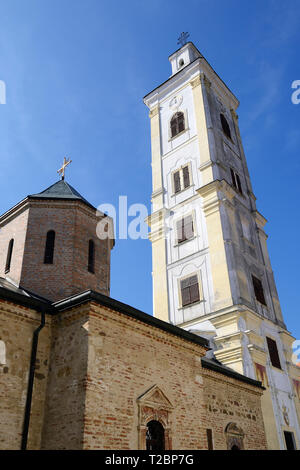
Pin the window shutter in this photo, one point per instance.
(177, 185)
(273, 351)
(185, 296)
(186, 177)
(180, 231)
(188, 227)
(194, 289)
(177, 124)
(189, 290)
(180, 122)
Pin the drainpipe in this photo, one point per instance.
(31, 381)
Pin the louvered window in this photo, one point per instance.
(177, 183)
(185, 229)
(177, 124)
(190, 290)
(186, 176)
(181, 179)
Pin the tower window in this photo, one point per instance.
(189, 290)
(181, 179)
(273, 352)
(225, 126)
(236, 181)
(91, 257)
(185, 229)
(258, 290)
(181, 62)
(9, 255)
(49, 248)
(155, 436)
(177, 124)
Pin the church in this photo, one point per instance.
(211, 369)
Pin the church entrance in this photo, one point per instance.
(155, 436)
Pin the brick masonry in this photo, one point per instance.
(74, 224)
(95, 366)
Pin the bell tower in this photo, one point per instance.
(211, 269)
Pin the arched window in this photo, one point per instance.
(91, 257)
(177, 124)
(9, 255)
(225, 126)
(155, 436)
(49, 247)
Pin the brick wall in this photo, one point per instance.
(17, 325)
(103, 362)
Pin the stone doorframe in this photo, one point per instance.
(154, 405)
(234, 436)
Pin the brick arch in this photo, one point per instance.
(153, 405)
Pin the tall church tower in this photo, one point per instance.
(211, 269)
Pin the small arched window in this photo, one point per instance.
(177, 124)
(49, 247)
(9, 255)
(91, 257)
(225, 126)
(155, 436)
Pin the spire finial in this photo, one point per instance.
(183, 38)
(61, 171)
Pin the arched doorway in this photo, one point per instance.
(234, 437)
(155, 436)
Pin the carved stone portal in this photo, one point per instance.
(154, 406)
(234, 437)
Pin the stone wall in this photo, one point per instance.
(17, 325)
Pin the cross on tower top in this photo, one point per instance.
(182, 40)
(61, 171)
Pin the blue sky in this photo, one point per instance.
(76, 72)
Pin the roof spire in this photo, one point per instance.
(61, 171)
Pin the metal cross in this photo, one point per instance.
(183, 38)
(61, 171)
